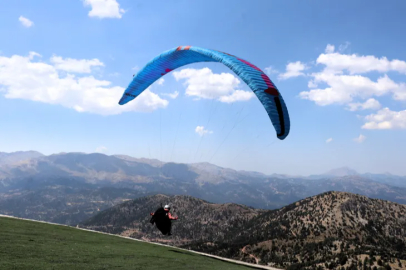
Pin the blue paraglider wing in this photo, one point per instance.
(254, 77)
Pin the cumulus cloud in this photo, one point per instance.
(386, 119)
(161, 81)
(171, 95)
(270, 70)
(293, 69)
(344, 80)
(203, 83)
(312, 84)
(371, 104)
(202, 131)
(25, 22)
(104, 8)
(358, 64)
(341, 74)
(330, 48)
(361, 138)
(344, 88)
(31, 55)
(329, 140)
(22, 77)
(237, 95)
(75, 65)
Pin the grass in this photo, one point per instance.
(33, 245)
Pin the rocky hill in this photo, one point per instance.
(331, 230)
(198, 220)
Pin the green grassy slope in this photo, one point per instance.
(33, 245)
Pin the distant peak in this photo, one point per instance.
(342, 171)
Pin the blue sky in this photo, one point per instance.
(340, 67)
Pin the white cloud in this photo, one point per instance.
(270, 70)
(293, 69)
(31, 55)
(203, 83)
(343, 88)
(22, 77)
(355, 64)
(237, 95)
(330, 48)
(104, 8)
(343, 80)
(25, 22)
(172, 95)
(361, 138)
(101, 149)
(75, 65)
(329, 140)
(161, 81)
(399, 93)
(201, 131)
(371, 104)
(386, 119)
(312, 84)
(325, 96)
(344, 46)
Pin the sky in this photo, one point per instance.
(340, 67)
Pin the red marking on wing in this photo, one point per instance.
(166, 71)
(272, 91)
(187, 48)
(268, 82)
(249, 64)
(271, 87)
(227, 53)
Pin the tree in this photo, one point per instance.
(365, 263)
(342, 259)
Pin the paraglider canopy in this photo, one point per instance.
(255, 78)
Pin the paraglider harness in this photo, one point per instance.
(162, 221)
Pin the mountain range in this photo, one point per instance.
(71, 187)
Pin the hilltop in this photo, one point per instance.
(34, 245)
(198, 219)
(333, 228)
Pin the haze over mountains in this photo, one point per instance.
(70, 187)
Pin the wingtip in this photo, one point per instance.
(122, 101)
